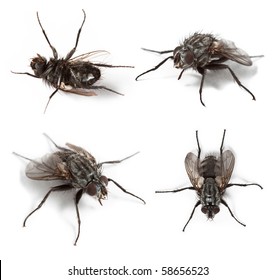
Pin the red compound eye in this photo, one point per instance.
(189, 57)
(91, 189)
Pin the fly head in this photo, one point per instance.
(39, 65)
(183, 58)
(98, 188)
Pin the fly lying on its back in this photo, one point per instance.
(72, 75)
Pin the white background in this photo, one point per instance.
(157, 116)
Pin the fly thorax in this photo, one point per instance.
(208, 167)
(200, 44)
(81, 170)
(52, 73)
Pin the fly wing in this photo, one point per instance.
(192, 164)
(79, 91)
(49, 167)
(229, 50)
(82, 152)
(226, 165)
(85, 56)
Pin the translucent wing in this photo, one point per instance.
(85, 91)
(82, 152)
(79, 91)
(226, 162)
(192, 164)
(88, 55)
(229, 50)
(49, 167)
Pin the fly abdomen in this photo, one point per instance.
(82, 75)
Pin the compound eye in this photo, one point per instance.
(91, 189)
(104, 180)
(189, 57)
(204, 210)
(216, 209)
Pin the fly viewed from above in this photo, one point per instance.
(78, 170)
(204, 52)
(210, 178)
(72, 75)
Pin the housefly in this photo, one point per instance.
(204, 52)
(77, 169)
(70, 74)
(210, 178)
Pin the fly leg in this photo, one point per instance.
(199, 148)
(221, 153)
(196, 205)
(53, 189)
(243, 185)
(216, 66)
(25, 73)
(124, 190)
(202, 72)
(221, 148)
(226, 205)
(176, 190)
(115, 161)
(50, 97)
(159, 52)
(77, 199)
(71, 53)
(55, 55)
(57, 146)
(179, 190)
(155, 68)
